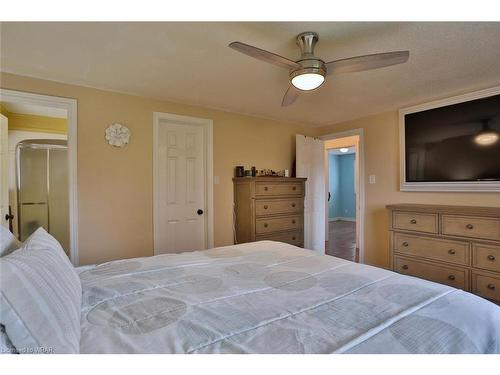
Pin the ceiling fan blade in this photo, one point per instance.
(290, 95)
(264, 55)
(367, 62)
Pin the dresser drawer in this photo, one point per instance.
(486, 256)
(456, 252)
(294, 238)
(415, 221)
(278, 206)
(264, 226)
(278, 189)
(486, 286)
(455, 277)
(466, 226)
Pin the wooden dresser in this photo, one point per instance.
(269, 208)
(453, 245)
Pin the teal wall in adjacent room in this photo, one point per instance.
(333, 181)
(341, 186)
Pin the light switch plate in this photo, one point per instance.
(216, 180)
(371, 179)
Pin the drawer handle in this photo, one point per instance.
(491, 257)
(293, 221)
(451, 251)
(293, 238)
(265, 207)
(451, 277)
(266, 188)
(469, 226)
(413, 221)
(265, 225)
(405, 244)
(491, 286)
(293, 204)
(405, 267)
(294, 187)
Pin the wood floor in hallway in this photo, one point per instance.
(342, 240)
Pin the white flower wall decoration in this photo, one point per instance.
(117, 135)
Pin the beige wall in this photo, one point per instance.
(381, 142)
(115, 193)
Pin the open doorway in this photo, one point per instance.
(38, 157)
(341, 233)
(344, 204)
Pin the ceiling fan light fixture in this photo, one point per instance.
(309, 72)
(486, 138)
(308, 81)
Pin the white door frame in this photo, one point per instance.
(207, 125)
(361, 155)
(70, 105)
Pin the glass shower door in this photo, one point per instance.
(33, 190)
(43, 198)
(59, 196)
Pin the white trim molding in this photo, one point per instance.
(472, 186)
(70, 105)
(207, 125)
(361, 155)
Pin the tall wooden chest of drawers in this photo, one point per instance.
(453, 245)
(269, 208)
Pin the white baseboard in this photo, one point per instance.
(339, 218)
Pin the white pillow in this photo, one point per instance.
(8, 242)
(40, 298)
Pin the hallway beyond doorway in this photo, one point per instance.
(341, 240)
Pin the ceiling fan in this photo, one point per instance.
(309, 72)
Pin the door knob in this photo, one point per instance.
(200, 211)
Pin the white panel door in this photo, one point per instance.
(310, 163)
(4, 170)
(181, 220)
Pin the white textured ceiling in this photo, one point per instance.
(191, 63)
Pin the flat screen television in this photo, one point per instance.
(452, 147)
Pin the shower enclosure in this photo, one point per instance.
(42, 188)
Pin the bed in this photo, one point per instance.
(271, 297)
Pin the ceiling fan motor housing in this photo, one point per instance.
(306, 42)
(309, 63)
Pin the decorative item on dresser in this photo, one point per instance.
(269, 208)
(453, 245)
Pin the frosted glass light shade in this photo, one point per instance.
(308, 81)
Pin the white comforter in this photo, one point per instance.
(270, 297)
